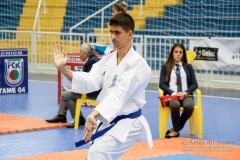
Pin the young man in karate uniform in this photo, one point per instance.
(123, 76)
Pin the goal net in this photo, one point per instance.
(206, 18)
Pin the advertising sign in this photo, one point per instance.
(216, 54)
(13, 71)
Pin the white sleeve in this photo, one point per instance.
(66, 83)
(86, 82)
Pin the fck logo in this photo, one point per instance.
(13, 71)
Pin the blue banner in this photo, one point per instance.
(13, 71)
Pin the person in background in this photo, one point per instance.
(178, 78)
(123, 76)
(68, 98)
(119, 8)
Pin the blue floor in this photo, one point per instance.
(220, 119)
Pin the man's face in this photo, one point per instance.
(119, 37)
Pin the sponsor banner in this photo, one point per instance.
(206, 53)
(73, 58)
(216, 54)
(13, 71)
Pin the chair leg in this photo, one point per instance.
(191, 123)
(77, 113)
(199, 124)
(163, 121)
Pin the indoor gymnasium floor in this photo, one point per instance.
(30, 138)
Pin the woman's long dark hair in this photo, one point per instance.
(170, 61)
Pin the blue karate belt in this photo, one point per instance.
(113, 122)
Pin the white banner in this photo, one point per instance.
(216, 54)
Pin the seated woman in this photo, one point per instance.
(178, 78)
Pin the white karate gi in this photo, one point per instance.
(123, 92)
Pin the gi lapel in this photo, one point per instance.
(114, 72)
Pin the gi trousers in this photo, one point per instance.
(108, 147)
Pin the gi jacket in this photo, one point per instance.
(123, 91)
(86, 68)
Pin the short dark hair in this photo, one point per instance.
(124, 20)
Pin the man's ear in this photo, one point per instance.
(130, 34)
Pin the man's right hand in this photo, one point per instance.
(59, 56)
(90, 125)
(60, 61)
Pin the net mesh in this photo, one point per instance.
(200, 18)
(209, 18)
